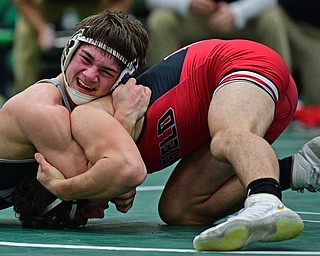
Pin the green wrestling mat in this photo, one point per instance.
(141, 232)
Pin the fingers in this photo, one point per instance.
(42, 161)
(39, 158)
(124, 202)
(43, 164)
(147, 91)
(122, 206)
(131, 81)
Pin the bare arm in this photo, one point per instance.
(37, 21)
(45, 123)
(130, 102)
(118, 167)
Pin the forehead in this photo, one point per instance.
(97, 54)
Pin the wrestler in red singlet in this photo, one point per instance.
(182, 86)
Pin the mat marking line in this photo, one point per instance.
(150, 188)
(111, 248)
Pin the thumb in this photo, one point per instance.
(39, 158)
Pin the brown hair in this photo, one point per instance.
(30, 200)
(119, 31)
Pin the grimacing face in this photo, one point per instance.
(92, 71)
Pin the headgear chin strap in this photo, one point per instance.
(70, 48)
(59, 201)
(77, 97)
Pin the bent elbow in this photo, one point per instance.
(135, 174)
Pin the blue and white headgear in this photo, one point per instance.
(70, 48)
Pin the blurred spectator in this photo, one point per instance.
(35, 33)
(124, 6)
(173, 24)
(7, 22)
(301, 22)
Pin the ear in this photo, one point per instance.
(128, 72)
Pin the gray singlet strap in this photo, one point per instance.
(62, 89)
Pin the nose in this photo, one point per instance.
(91, 73)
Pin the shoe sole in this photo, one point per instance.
(239, 233)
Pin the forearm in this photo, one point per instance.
(102, 182)
(127, 122)
(32, 14)
(245, 10)
(117, 166)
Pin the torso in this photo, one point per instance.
(16, 149)
(182, 85)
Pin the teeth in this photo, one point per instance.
(84, 85)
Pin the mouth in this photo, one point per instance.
(83, 87)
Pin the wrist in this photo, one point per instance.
(125, 118)
(127, 121)
(63, 190)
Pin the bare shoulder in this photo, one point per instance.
(27, 116)
(36, 105)
(37, 94)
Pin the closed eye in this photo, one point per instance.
(86, 59)
(108, 72)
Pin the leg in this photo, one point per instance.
(169, 31)
(237, 126)
(268, 28)
(26, 61)
(164, 37)
(237, 131)
(200, 191)
(305, 43)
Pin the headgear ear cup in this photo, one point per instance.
(68, 51)
(126, 74)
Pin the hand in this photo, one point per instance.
(222, 21)
(130, 102)
(48, 175)
(46, 38)
(203, 7)
(124, 202)
(124, 6)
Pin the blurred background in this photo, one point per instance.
(34, 32)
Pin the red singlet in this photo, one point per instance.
(182, 86)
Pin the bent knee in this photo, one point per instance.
(174, 214)
(219, 144)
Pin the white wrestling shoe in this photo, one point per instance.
(264, 219)
(306, 167)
